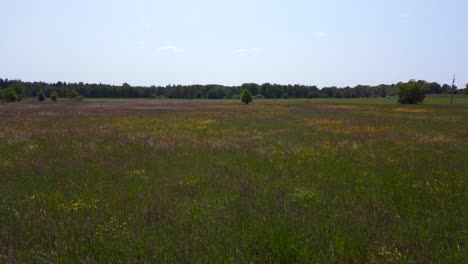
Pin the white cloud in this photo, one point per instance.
(173, 49)
(242, 50)
(321, 34)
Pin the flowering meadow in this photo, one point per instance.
(181, 181)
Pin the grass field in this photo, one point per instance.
(278, 181)
(430, 100)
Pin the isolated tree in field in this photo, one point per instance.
(246, 96)
(19, 89)
(73, 94)
(410, 93)
(54, 96)
(41, 97)
(10, 95)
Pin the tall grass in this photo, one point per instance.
(278, 182)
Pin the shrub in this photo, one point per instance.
(73, 94)
(410, 93)
(10, 95)
(18, 89)
(285, 96)
(41, 96)
(54, 96)
(246, 96)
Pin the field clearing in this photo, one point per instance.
(189, 181)
(430, 100)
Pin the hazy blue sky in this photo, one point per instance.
(332, 42)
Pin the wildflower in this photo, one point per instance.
(76, 205)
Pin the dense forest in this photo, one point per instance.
(214, 91)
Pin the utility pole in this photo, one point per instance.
(453, 90)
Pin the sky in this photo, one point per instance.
(311, 42)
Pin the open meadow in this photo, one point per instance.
(191, 181)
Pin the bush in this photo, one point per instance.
(410, 93)
(285, 96)
(19, 89)
(54, 96)
(41, 96)
(246, 96)
(10, 95)
(73, 94)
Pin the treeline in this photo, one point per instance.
(213, 91)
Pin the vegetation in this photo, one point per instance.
(246, 96)
(213, 91)
(285, 181)
(411, 93)
(73, 94)
(9, 95)
(465, 91)
(19, 89)
(54, 96)
(41, 96)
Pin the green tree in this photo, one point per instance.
(10, 95)
(313, 94)
(19, 89)
(54, 96)
(446, 88)
(464, 91)
(432, 88)
(41, 96)
(252, 87)
(246, 96)
(73, 94)
(410, 93)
